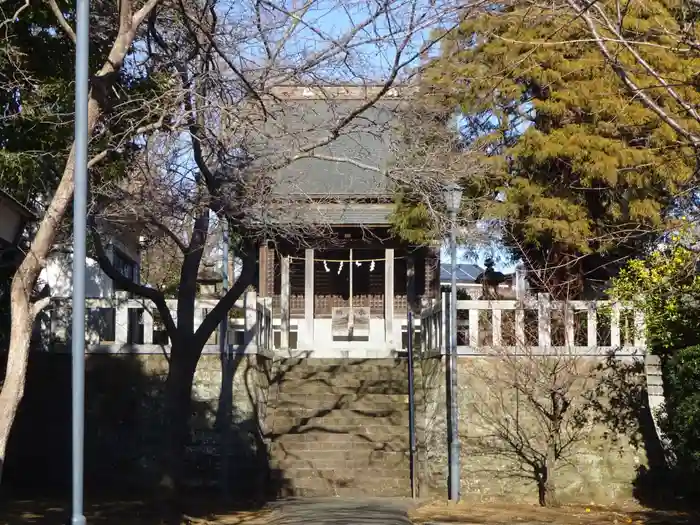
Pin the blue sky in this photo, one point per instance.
(325, 21)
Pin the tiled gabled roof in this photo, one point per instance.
(466, 273)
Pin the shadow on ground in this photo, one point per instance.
(123, 435)
(341, 512)
(626, 412)
(44, 512)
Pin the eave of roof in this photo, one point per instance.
(16, 205)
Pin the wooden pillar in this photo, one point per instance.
(148, 326)
(615, 340)
(284, 303)
(389, 295)
(592, 337)
(262, 272)
(121, 323)
(270, 270)
(544, 321)
(309, 295)
(432, 273)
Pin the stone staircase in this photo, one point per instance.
(655, 395)
(339, 427)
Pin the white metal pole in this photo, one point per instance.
(82, 50)
(454, 448)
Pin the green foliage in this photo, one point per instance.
(588, 173)
(682, 419)
(37, 96)
(412, 220)
(666, 287)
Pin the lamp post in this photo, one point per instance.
(453, 200)
(82, 49)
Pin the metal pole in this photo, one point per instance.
(226, 359)
(411, 406)
(82, 50)
(454, 445)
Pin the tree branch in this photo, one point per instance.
(142, 13)
(67, 29)
(143, 291)
(39, 305)
(187, 292)
(631, 85)
(169, 233)
(220, 311)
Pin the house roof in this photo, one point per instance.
(466, 273)
(337, 213)
(352, 164)
(16, 205)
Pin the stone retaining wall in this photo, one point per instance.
(124, 420)
(500, 429)
(344, 419)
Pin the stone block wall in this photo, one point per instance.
(320, 427)
(339, 427)
(124, 419)
(500, 429)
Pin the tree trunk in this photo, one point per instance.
(177, 412)
(17, 361)
(548, 489)
(21, 293)
(23, 312)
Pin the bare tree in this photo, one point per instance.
(531, 411)
(247, 74)
(530, 407)
(129, 18)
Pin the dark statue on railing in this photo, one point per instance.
(490, 280)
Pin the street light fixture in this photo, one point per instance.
(452, 194)
(453, 200)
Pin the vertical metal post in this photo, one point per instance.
(227, 364)
(454, 445)
(223, 327)
(411, 406)
(80, 174)
(351, 317)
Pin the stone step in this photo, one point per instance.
(359, 458)
(315, 483)
(391, 439)
(339, 422)
(337, 398)
(340, 425)
(334, 368)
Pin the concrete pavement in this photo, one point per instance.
(336, 511)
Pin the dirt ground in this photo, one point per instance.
(34, 512)
(510, 514)
(122, 512)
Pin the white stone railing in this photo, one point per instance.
(117, 325)
(531, 323)
(434, 327)
(578, 324)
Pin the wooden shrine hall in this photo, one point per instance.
(349, 289)
(353, 296)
